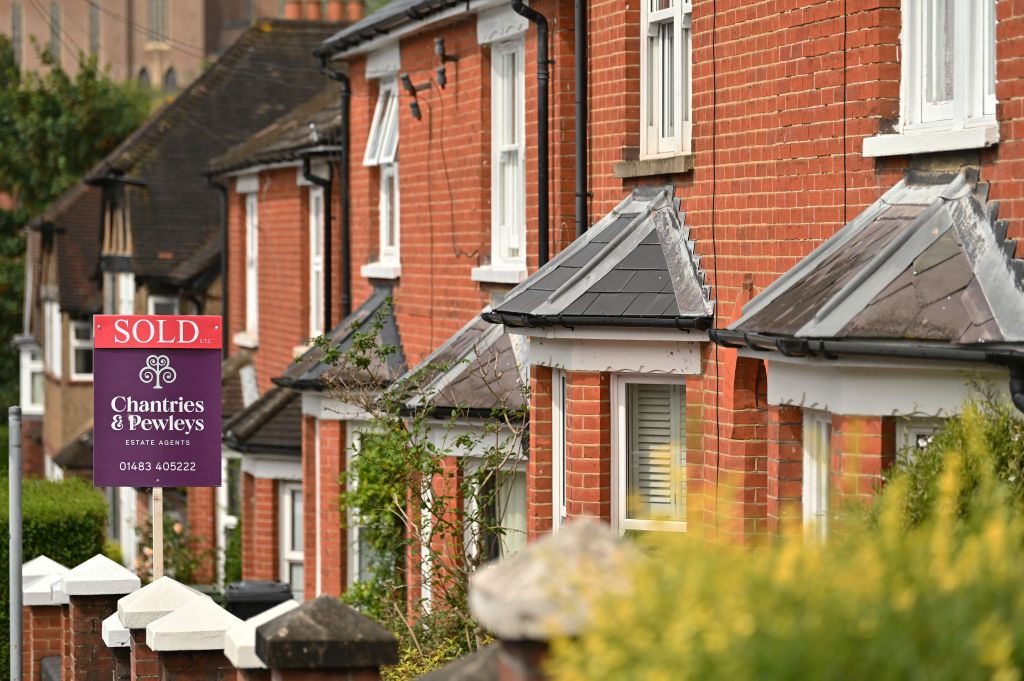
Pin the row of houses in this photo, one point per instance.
(734, 256)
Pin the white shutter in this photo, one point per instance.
(656, 456)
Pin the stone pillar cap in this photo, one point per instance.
(324, 633)
(40, 566)
(541, 592)
(240, 640)
(114, 634)
(100, 576)
(199, 624)
(153, 601)
(43, 590)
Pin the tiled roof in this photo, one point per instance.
(272, 424)
(265, 73)
(77, 241)
(636, 267)
(478, 370)
(310, 372)
(314, 123)
(927, 262)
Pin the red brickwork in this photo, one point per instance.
(863, 447)
(539, 471)
(588, 445)
(67, 671)
(42, 636)
(202, 529)
(144, 664)
(196, 665)
(321, 487)
(90, 658)
(259, 528)
(785, 468)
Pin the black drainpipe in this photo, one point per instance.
(222, 189)
(543, 78)
(325, 184)
(1017, 386)
(343, 184)
(580, 29)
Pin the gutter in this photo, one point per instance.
(384, 26)
(343, 185)
(543, 137)
(529, 321)
(325, 184)
(222, 189)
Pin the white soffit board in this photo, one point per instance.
(271, 467)
(500, 23)
(648, 357)
(247, 184)
(877, 389)
(384, 62)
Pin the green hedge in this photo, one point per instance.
(64, 520)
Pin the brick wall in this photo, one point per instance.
(144, 664)
(785, 468)
(539, 512)
(588, 445)
(202, 528)
(91, 660)
(862, 448)
(325, 555)
(197, 665)
(43, 637)
(259, 528)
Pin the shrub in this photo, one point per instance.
(64, 520)
(939, 600)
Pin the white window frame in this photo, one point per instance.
(382, 143)
(653, 99)
(252, 265)
(382, 152)
(54, 335)
(910, 428)
(75, 344)
(389, 214)
(508, 227)
(973, 104)
(153, 301)
(316, 261)
(817, 474)
(30, 365)
(620, 451)
(125, 292)
(289, 556)
(559, 403)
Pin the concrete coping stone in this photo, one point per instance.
(100, 576)
(240, 640)
(542, 591)
(42, 591)
(158, 598)
(199, 624)
(115, 634)
(40, 566)
(324, 633)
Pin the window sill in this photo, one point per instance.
(380, 270)
(669, 165)
(243, 340)
(628, 524)
(930, 142)
(491, 274)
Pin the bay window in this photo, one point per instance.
(292, 571)
(817, 436)
(665, 78)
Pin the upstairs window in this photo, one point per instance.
(665, 82)
(949, 64)
(80, 335)
(652, 455)
(53, 350)
(508, 171)
(156, 20)
(316, 261)
(252, 242)
(165, 305)
(382, 152)
(31, 380)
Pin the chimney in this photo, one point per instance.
(93, 589)
(313, 10)
(292, 9)
(335, 10)
(189, 642)
(136, 611)
(354, 10)
(324, 639)
(240, 643)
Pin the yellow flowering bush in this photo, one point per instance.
(941, 598)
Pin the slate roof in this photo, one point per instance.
(271, 425)
(77, 241)
(265, 73)
(388, 18)
(927, 263)
(76, 454)
(636, 268)
(309, 372)
(475, 372)
(313, 124)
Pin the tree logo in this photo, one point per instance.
(158, 368)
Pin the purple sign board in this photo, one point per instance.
(156, 404)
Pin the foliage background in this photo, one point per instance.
(63, 520)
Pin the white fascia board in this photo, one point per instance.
(259, 168)
(611, 333)
(328, 408)
(678, 357)
(385, 62)
(876, 387)
(270, 467)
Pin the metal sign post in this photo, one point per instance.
(14, 526)
(158, 532)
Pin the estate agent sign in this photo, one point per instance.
(156, 399)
